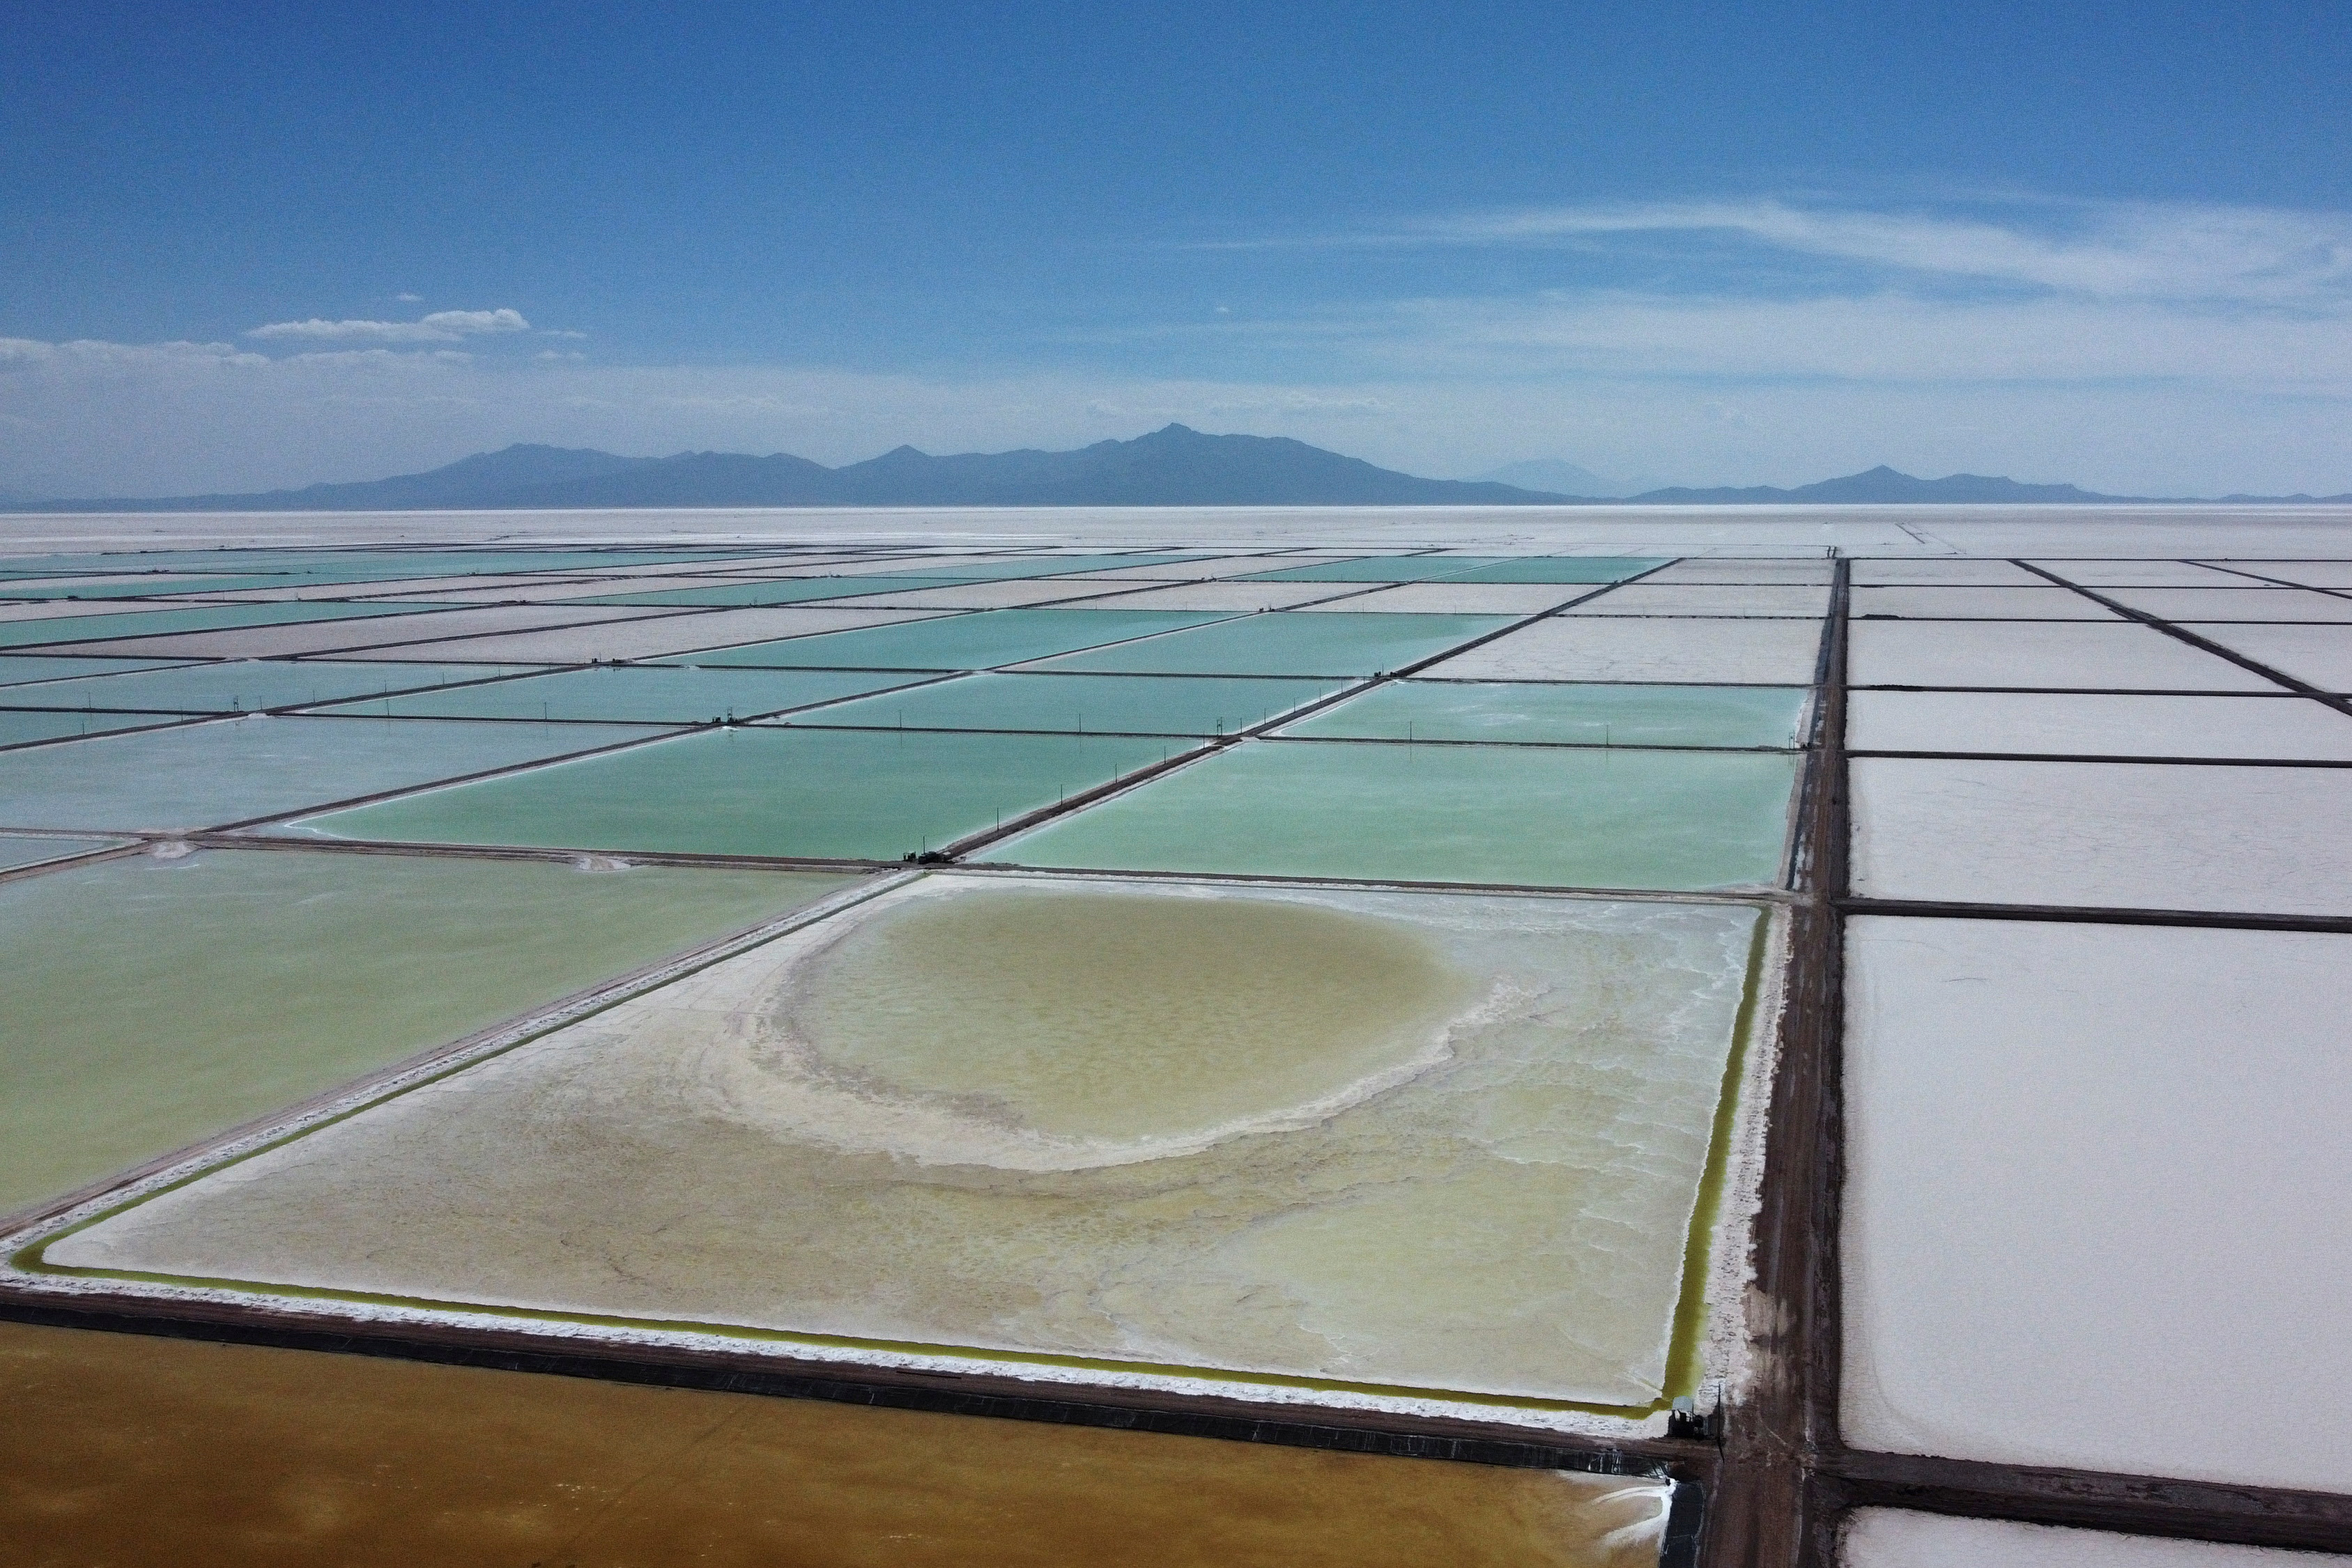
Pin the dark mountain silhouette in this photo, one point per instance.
(1173, 467)
(1883, 486)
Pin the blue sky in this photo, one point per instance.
(2109, 244)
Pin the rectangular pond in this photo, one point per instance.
(1544, 714)
(981, 639)
(1396, 1141)
(226, 771)
(1289, 642)
(1522, 815)
(2093, 1211)
(241, 686)
(1081, 704)
(152, 1003)
(1682, 651)
(635, 693)
(761, 789)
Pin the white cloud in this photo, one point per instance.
(440, 327)
(2143, 250)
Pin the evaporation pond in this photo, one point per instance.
(1379, 569)
(756, 790)
(246, 684)
(1133, 704)
(781, 591)
(285, 1458)
(16, 669)
(1562, 569)
(153, 1002)
(223, 771)
(195, 618)
(1290, 642)
(982, 640)
(26, 850)
(643, 693)
(1444, 1141)
(20, 727)
(1580, 715)
(1531, 817)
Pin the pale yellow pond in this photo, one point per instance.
(1446, 1142)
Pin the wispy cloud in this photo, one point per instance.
(2122, 250)
(440, 327)
(2107, 250)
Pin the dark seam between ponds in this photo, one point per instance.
(2242, 1513)
(2094, 914)
(2181, 634)
(1371, 1433)
(2105, 757)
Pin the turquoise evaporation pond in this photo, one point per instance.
(16, 669)
(1563, 569)
(1290, 642)
(196, 618)
(778, 591)
(1470, 569)
(1061, 565)
(1082, 704)
(982, 640)
(1379, 569)
(1542, 712)
(223, 771)
(15, 851)
(1517, 815)
(638, 693)
(313, 567)
(22, 726)
(766, 791)
(243, 685)
(159, 1002)
(146, 587)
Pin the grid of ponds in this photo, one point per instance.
(1234, 999)
(1271, 985)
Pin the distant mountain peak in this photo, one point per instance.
(1172, 465)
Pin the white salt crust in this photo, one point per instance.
(1961, 603)
(2122, 657)
(2092, 1207)
(2255, 840)
(1594, 648)
(2105, 724)
(1893, 1538)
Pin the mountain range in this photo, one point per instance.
(1171, 466)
